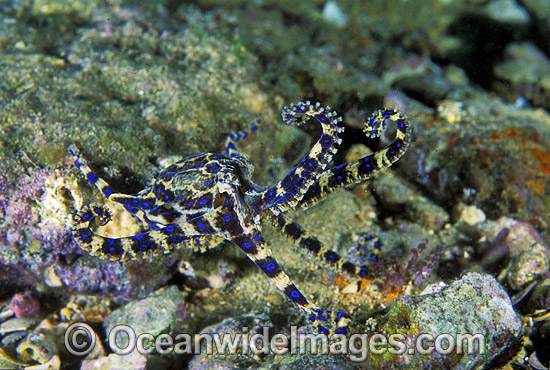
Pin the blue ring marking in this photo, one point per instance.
(144, 246)
(214, 168)
(91, 177)
(367, 165)
(169, 228)
(85, 217)
(166, 197)
(146, 205)
(112, 249)
(77, 163)
(180, 178)
(257, 237)
(270, 193)
(247, 245)
(139, 236)
(111, 241)
(331, 256)
(295, 294)
(339, 177)
(129, 208)
(202, 202)
(270, 266)
(202, 226)
(341, 314)
(108, 192)
(83, 236)
(134, 201)
(227, 218)
(189, 204)
(180, 197)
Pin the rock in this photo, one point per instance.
(241, 356)
(334, 15)
(476, 304)
(470, 215)
(524, 72)
(132, 361)
(528, 266)
(155, 314)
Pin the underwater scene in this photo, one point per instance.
(262, 184)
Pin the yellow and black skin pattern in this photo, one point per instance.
(206, 198)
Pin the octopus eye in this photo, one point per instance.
(219, 200)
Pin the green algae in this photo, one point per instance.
(126, 92)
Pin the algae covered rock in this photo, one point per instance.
(161, 312)
(435, 329)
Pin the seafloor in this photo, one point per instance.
(455, 235)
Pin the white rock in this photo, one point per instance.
(333, 14)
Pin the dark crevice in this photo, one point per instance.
(484, 41)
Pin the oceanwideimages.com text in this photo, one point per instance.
(80, 340)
